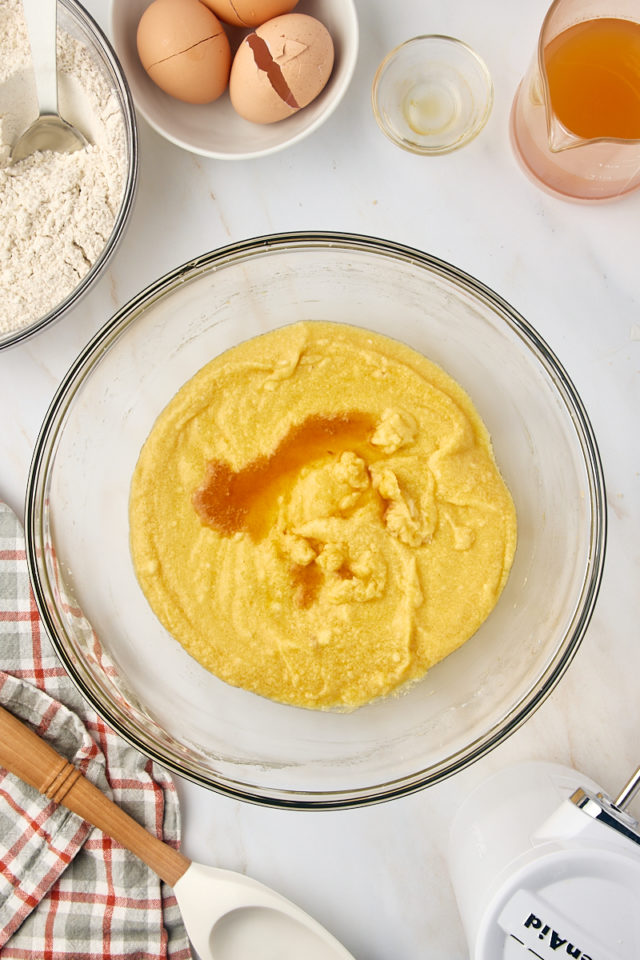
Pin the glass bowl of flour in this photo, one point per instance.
(61, 215)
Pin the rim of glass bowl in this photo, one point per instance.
(116, 717)
(90, 26)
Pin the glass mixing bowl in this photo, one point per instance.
(148, 688)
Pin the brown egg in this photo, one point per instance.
(280, 67)
(249, 13)
(184, 49)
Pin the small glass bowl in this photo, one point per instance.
(432, 94)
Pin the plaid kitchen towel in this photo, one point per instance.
(67, 891)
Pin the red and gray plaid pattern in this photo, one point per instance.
(68, 892)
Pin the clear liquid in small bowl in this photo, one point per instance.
(435, 106)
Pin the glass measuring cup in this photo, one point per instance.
(575, 120)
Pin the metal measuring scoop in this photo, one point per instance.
(49, 131)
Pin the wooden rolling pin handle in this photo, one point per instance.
(29, 757)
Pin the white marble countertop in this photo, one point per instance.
(377, 877)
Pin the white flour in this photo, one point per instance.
(56, 210)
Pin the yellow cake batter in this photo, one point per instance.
(317, 516)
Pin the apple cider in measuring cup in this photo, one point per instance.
(575, 123)
(593, 73)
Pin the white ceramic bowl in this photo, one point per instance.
(215, 129)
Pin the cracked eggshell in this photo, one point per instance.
(184, 49)
(282, 70)
(249, 13)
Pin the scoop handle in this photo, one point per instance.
(41, 20)
(30, 758)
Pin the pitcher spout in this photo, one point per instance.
(560, 138)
